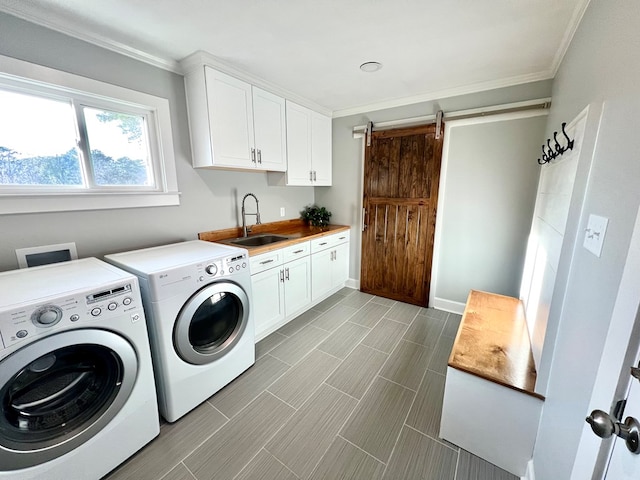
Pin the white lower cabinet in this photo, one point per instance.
(329, 263)
(288, 281)
(297, 283)
(281, 287)
(268, 299)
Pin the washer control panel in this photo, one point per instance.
(24, 323)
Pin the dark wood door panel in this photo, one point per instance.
(402, 171)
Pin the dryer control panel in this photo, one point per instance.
(26, 322)
(222, 267)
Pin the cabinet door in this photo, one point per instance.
(321, 149)
(267, 299)
(298, 145)
(269, 123)
(321, 266)
(340, 264)
(297, 294)
(230, 119)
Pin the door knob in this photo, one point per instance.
(604, 426)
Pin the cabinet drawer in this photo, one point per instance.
(263, 262)
(295, 251)
(329, 241)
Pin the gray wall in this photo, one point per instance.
(488, 199)
(601, 70)
(209, 198)
(343, 198)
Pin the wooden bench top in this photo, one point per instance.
(493, 342)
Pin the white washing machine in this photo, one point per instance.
(77, 392)
(197, 302)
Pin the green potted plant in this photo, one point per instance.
(316, 216)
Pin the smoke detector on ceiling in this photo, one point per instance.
(370, 67)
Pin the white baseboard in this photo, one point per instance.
(529, 474)
(448, 305)
(352, 283)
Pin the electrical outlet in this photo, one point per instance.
(282, 211)
(594, 234)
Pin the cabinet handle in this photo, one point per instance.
(253, 155)
(266, 261)
(310, 176)
(342, 238)
(259, 156)
(282, 276)
(314, 175)
(299, 251)
(287, 274)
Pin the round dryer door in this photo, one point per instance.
(211, 323)
(58, 392)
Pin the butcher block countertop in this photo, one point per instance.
(297, 231)
(493, 342)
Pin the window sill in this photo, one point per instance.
(10, 204)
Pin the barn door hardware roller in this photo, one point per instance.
(439, 116)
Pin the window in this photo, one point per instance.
(80, 144)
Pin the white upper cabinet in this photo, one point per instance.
(269, 120)
(233, 124)
(308, 147)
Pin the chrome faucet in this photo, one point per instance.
(245, 229)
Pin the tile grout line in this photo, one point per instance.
(399, 384)
(404, 422)
(281, 463)
(431, 438)
(338, 390)
(214, 407)
(319, 385)
(362, 450)
(269, 438)
(187, 468)
(455, 475)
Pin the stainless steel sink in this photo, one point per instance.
(258, 240)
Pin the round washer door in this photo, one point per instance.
(58, 392)
(211, 323)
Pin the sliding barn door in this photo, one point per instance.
(401, 177)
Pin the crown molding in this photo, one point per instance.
(569, 33)
(27, 12)
(445, 93)
(197, 59)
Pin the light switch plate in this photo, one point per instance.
(594, 234)
(282, 211)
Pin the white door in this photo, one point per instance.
(297, 293)
(321, 149)
(623, 464)
(321, 268)
(230, 119)
(340, 264)
(268, 299)
(298, 145)
(613, 381)
(269, 121)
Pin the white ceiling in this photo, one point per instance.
(313, 48)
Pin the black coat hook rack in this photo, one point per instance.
(557, 149)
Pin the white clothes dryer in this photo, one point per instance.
(197, 302)
(77, 393)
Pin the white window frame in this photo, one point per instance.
(36, 79)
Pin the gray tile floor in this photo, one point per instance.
(351, 389)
